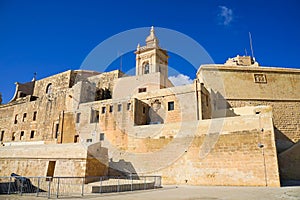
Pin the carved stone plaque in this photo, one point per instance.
(260, 78)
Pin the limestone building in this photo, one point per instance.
(236, 124)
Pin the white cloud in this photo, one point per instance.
(180, 79)
(226, 15)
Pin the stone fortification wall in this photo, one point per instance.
(286, 115)
(236, 151)
(238, 86)
(69, 159)
(59, 82)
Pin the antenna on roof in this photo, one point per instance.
(250, 38)
(246, 53)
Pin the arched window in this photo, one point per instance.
(49, 88)
(146, 68)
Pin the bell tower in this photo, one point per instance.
(151, 58)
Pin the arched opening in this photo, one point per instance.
(49, 88)
(146, 67)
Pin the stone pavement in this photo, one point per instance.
(192, 193)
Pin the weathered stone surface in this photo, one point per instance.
(226, 128)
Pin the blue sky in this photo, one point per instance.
(49, 37)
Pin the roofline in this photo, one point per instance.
(221, 67)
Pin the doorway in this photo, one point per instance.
(50, 170)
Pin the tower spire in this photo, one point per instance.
(152, 40)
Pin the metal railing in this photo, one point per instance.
(59, 187)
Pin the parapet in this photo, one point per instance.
(241, 61)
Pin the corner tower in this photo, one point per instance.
(151, 58)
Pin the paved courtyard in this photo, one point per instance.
(192, 193)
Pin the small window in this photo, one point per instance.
(31, 134)
(94, 116)
(22, 135)
(101, 136)
(103, 110)
(34, 115)
(49, 88)
(56, 131)
(78, 117)
(16, 119)
(119, 107)
(128, 106)
(24, 117)
(111, 108)
(144, 110)
(13, 136)
(142, 90)
(2, 136)
(76, 139)
(170, 105)
(89, 140)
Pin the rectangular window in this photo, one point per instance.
(128, 106)
(94, 116)
(34, 116)
(56, 130)
(170, 105)
(22, 135)
(111, 108)
(16, 119)
(142, 90)
(13, 136)
(89, 140)
(119, 107)
(76, 139)
(2, 136)
(144, 110)
(31, 134)
(103, 110)
(78, 117)
(24, 117)
(101, 136)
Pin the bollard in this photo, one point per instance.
(131, 183)
(144, 182)
(100, 189)
(49, 187)
(22, 182)
(82, 187)
(8, 191)
(57, 191)
(118, 188)
(38, 187)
